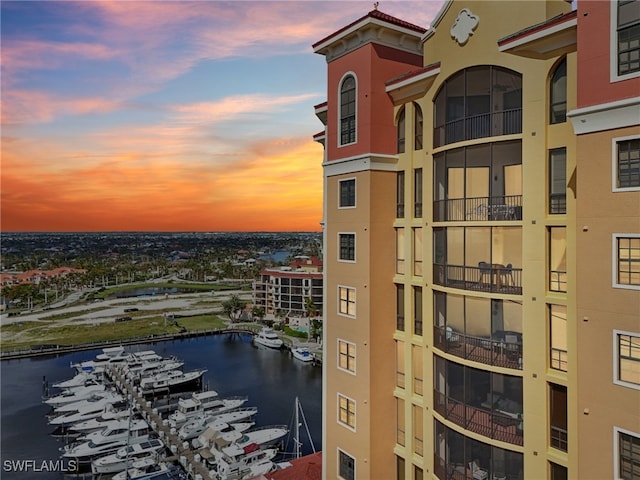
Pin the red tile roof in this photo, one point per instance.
(304, 468)
(377, 14)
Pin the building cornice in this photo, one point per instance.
(361, 163)
(606, 116)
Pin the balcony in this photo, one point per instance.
(558, 281)
(484, 125)
(502, 425)
(477, 209)
(486, 277)
(461, 471)
(503, 350)
(559, 359)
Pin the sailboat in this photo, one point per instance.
(298, 421)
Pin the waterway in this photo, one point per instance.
(271, 379)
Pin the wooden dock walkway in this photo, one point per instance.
(180, 450)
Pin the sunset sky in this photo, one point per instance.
(167, 116)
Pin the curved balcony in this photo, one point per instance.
(503, 350)
(487, 419)
(486, 277)
(477, 209)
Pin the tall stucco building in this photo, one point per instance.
(477, 317)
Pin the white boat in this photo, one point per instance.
(234, 446)
(178, 418)
(150, 470)
(240, 467)
(87, 410)
(201, 422)
(126, 456)
(75, 395)
(109, 414)
(216, 429)
(81, 379)
(108, 440)
(99, 398)
(268, 338)
(114, 356)
(136, 372)
(190, 407)
(302, 353)
(173, 380)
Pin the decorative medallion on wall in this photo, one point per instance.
(464, 26)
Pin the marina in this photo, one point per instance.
(223, 354)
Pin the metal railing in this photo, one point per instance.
(492, 424)
(557, 203)
(477, 209)
(559, 438)
(557, 281)
(491, 278)
(495, 352)
(506, 122)
(558, 359)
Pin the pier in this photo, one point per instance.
(180, 450)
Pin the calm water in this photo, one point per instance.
(270, 378)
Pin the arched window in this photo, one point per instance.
(401, 131)
(478, 102)
(417, 127)
(348, 111)
(558, 94)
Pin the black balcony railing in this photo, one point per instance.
(502, 426)
(490, 277)
(476, 209)
(461, 470)
(557, 203)
(506, 122)
(559, 438)
(504, 351)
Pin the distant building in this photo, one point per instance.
(37, 276)
(287, 289)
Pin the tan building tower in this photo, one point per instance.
(462, 213)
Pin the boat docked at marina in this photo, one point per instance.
(108, 440)
(86, 410)
(75, 395)
(110, 413)
(243, 465)
(268, 338)
(201, 422)
(148, 469)
(124, 457)
(172, 381)
(113, 356)
(302, 353)
(186, 412)
(216, 429)
(79, 380)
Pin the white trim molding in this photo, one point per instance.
(614, 261)
(616, 360)
(606, 116)
(615, 164)
(360, 163)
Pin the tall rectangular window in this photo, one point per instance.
(400, 307)
(400, 194)
(626, 164)
(346, 412)
(627, 261)
(348, 110)
(400, 250)
(400, 422)
(627, 361)
(558, 181)
(558, 94)
(558, 337)
(400, 468)
(347, 246)
(418, 474)
(417, 251)
(557, 472)
(628, 30)
(628, 455)
(558, 416)
(418, 435)
(417, 127)
(558, 259)
(400, 367)
(417, 310)
(401, 130)
(416, 352)
(346, 466)
(417, 193)
(347, 193)
(347, 356)
(347, 301)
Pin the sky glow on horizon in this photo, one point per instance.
(165, 115)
